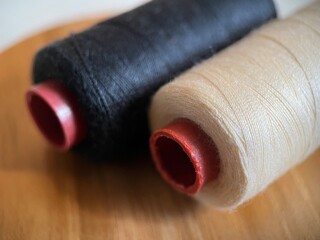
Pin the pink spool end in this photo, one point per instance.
(185, 156)
(56, 114)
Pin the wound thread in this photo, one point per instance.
(114, 67)
(258, 100)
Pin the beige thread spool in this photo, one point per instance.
(259, 102)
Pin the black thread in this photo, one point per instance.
(115, 66)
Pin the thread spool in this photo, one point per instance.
(259, 103)
(111, 70)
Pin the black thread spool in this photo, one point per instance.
(113, 68)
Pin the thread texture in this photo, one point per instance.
(114, 67)
(259, 101)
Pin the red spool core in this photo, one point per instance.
(185, 156)
(56, 114)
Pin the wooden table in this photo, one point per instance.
(45, 194)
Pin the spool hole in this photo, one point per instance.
(175, 163)
(46, 120)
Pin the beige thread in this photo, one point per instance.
(259, 100)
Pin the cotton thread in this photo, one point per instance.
(113, 68)
(258, 100)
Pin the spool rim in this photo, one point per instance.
(56, 115)
(199, 154)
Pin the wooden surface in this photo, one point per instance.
(49, 195)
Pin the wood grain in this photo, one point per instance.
(45, 194)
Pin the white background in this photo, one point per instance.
(20, 19)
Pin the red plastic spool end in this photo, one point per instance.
(185, 156)
(56, 114)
